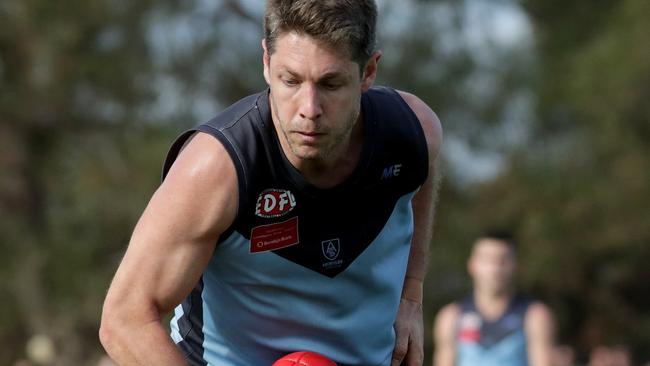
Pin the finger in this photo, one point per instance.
(414, 355)
(401, 348)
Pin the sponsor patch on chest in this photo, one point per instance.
(274, 236)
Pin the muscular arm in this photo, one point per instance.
(444, 336)
(423, 202)
(539, 327)
(169, 249)
(409, 325)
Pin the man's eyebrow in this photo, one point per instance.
(326, 77)
(332, 75)
(285, 69)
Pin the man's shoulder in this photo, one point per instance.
(387, 99)
(427, 117)
(247, 106)
(539, 323)
(538, 309)
(449, 311)
(446, 320)
(221, 136)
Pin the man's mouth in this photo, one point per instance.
(309, 134)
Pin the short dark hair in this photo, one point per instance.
(347, 24)
(503, 235)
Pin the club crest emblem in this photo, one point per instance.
(331, 248)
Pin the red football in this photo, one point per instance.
(304, 358)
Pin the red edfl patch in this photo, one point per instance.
(274, 236)
(469, 336)
(274, 203)
(470, 328)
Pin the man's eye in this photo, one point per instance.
(290, 82)
(331, 86)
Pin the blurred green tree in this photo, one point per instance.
(76, 156)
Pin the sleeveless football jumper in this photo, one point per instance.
(492, 343)
(304, 268)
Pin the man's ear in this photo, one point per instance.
(469, 266)
(370, 71)
(266, 62)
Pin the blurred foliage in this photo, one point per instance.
(92, 94)
(78, 163)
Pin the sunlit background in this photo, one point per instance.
(545, 106)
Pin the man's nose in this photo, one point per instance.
(310, 105)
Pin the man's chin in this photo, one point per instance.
(308, 153)
(310, 157)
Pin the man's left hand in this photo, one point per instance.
(409, 343)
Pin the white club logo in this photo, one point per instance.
(331, 248)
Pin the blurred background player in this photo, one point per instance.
(495, 325)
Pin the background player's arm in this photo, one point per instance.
(444, 336)
(409, 327)
(539, 326)
(170, 247)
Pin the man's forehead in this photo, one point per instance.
(299, 40)
(484, 245)
(294, 51)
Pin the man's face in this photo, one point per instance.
(492, 266)
(315, 96)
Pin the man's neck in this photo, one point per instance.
(492, 305)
